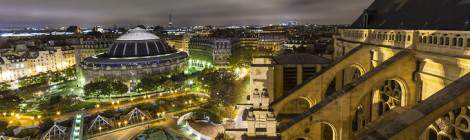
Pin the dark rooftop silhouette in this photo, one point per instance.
(416, 14)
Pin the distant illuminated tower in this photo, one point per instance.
(170, 19)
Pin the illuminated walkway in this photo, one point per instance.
(77, 127)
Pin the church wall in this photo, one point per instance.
(339, 112)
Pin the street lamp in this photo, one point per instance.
(57, 113)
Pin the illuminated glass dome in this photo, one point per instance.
(138, 43)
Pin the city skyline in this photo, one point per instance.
(231, 12)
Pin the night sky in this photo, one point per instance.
(185, 12)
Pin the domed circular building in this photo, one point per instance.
(134, 55)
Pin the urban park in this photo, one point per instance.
(61, 104)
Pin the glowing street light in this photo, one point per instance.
(57, 113)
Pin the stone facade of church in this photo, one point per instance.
(398, 74)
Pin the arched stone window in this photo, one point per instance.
(434, 40)
(447, 41)
(453, 125)
(298, 105)
(390, 96)
(331, 87)
(460, 42)
(441, 41)
(408, 38)
(399, 37)
(359, 120)
(328, 132)
(468, 42)
(454, 41)
(356, 73)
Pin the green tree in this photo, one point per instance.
(56, 102)
(56, 77)
(9, 101)
(118, 87)
(70, 73)
(221, 86)
(169, 85)
(4, 86)
(105, 87)
(147, 84)
(241, 57)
